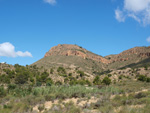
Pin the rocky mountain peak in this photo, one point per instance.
(75, 50)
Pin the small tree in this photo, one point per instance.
(2, 92)
(61, 70)
(142, 78)
(106, 81)
(148, 79)
(58, 83)
(146, 67)
(81, 73)
(97, 81)
(21, 78)
(49, 82)
(51, 71)
(109, 75)
(44, 77)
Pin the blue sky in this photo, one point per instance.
(29, 28)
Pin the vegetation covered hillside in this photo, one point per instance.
(69, 81)
(57, 90)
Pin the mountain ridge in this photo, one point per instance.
(68, 54)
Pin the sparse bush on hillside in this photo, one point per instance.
(41, 108)
(73, 82)
(81, 73)
(63, 75)
(120, 77)
(5, 79)
(43, 77)
(2, 92)
(146, 67)
(66, 80)
(61, 70)
(51, 71)
(49, 82)
(21, 78)
(70, 74)
(58, 83)
(142, 78)
(148, 79)
(109, 75)
(11, 86)
(106, 81)
(97, 80)
(38, 83)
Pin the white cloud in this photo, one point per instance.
(139, 10)
(148, 39)
(8, 50)
(52, 2)
(119, 15)
(136, 5)
(134, 17)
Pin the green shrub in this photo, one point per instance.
(142, 78)
(50, 97)
(63, 75)
(73, 82)
(70, 74)
(38, 83)
(11, 86)
(41, 108)
(61, 70)
(2, 92)
(51, 71)
(21, 78)
(146, 67)
(58, 83)
(49, 82)
(81, 73)
(97, 80)
(106, 81)
(140, 95)
(148, 79)
(109, 75)
(120, 77)
(43, 77)
(7, 106)
(66, 80)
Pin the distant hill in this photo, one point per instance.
(132, 56)
(74, 56)
(74, 50)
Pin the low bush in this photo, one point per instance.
(106, 81)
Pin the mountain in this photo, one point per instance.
(73, 56)
(128, 57)
(74, 50)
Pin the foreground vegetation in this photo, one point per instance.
(28, 90)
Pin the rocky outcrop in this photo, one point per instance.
(144, 54)
(74, 50)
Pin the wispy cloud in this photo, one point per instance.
(148, 39)
(51, 2)
(139, 10)
(119, 15)
(8, 50)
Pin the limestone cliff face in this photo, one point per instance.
(74, 50)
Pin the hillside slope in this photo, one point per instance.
(132, 56)
(73, 56)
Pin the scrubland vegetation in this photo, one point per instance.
(27, 90)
